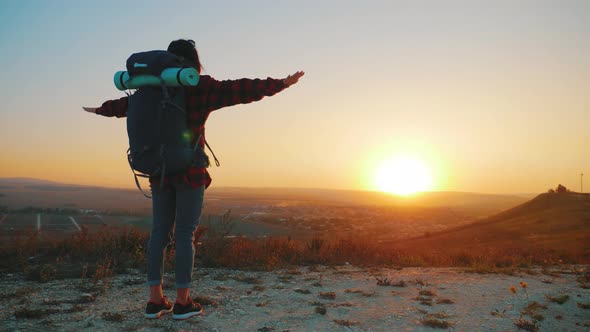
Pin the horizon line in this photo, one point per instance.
(281, 187)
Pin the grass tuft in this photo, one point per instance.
(320, 310)
(205, 300)
(345, 322)
(327, 295)
(527, 325)
(558, 299)
(435, 323)
(445, 301)
(113, 317)
(427, 292)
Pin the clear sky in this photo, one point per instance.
(493, 96)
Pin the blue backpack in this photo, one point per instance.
(159, 138)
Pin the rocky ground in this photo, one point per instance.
(316, 298)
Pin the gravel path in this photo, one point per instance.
(320, 298)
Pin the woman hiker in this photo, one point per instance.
(179, 198)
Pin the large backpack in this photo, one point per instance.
(159, 139)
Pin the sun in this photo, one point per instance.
(403, 176)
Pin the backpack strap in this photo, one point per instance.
(202, 134)
(217, 163)
(136, 174)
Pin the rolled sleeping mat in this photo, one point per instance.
(171, 76)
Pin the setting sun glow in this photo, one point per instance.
(403, 176)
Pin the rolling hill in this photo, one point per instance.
(553, 222)
(19, 193)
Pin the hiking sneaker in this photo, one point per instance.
(154, 311)
(186, 311)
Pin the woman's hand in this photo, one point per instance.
(292, 79)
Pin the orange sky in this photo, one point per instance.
(492, 98)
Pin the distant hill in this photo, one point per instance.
(558, 222)
(23, 192)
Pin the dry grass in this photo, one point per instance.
(320, 310)
(113, 317)
(40, 313)
(263, 304)
(558, 299)
(248, 280)
(345, 322)
(100, 255)
(445, 301)
(424, 300)
(435, 322)
(359, 291)
(205, 300)
(427, 292)
(527, 325)
(327, 295)
(258, 288)
(83, 254)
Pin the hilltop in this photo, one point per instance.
(553, 222)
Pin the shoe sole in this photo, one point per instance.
(187, 315)
(158, 314)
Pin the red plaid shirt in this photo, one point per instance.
(208, 96)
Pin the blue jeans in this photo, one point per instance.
(174, 205)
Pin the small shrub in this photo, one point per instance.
(320, 310)
(347, 323)
(559, 299)
(205, 300)
(532, 307)
(285, 278)
(34, 313)
(343, 304)
(293, 272)
(427, 292)
(497, 313)
(435, 323)
(220, 277)
(263, 304)
(248, 280)
(424, 300)
(113, 317)
(315, 245)
(400, 284)
(47, 273)
(420, 282)
(359, 291)
(383, 282)
(527, 325)
(439, 315)
(445, 301)
(327, 295)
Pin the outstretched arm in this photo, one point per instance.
(116, 107)
(243, 91)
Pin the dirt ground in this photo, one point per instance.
(318, 298)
